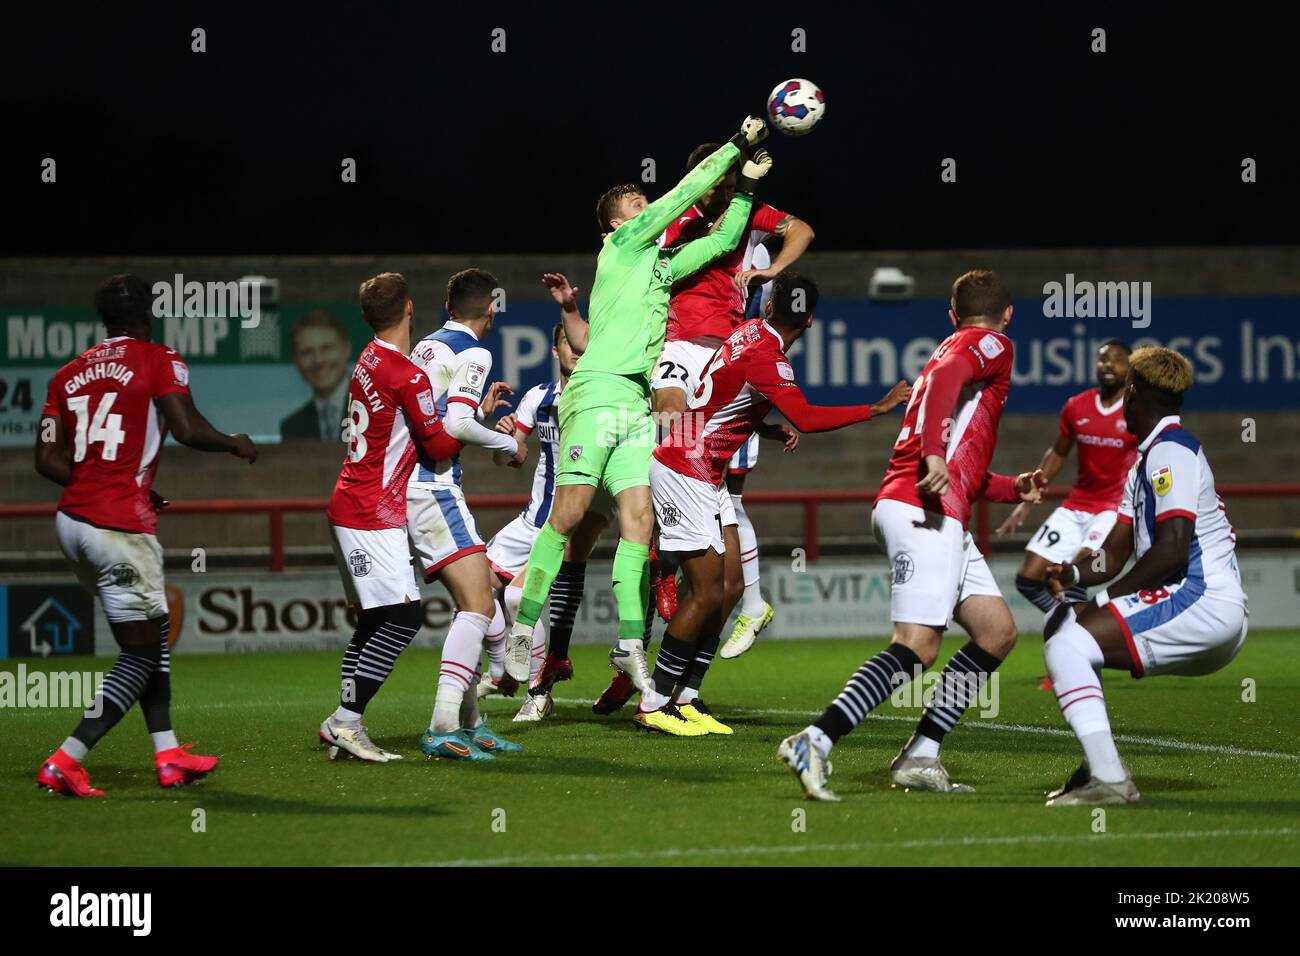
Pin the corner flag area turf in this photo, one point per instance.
(1216, 758)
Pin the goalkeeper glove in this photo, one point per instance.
(752, 132)
(754, 168)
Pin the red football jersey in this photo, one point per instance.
(954, 411)
(105, 399)
(1107, 451)
(390, 402)
(708, 304)
(747, 375)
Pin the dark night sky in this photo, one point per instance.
(237, 150)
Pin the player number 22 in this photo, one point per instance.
(103, 427)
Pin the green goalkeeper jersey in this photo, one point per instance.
(629, 300)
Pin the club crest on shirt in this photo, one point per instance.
(903, 567)
(575, 452)
(425, 399)
(359, 562)
(1162, 481)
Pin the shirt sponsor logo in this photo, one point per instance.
(903, 567)
(359, 562)
(669, 515)
(1162, 481)
(425, 399)
(123, 575)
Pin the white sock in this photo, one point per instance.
(75, 749)
(468, 714)
(654, 700)
(923, 746)
(819, 740)
(460, 658)
(495, 641)
(686, 695)
(539, 651)
(751, 604)
(164, 740)
(345, 715)
(1074, 662)
(512, 596)
(631, 643)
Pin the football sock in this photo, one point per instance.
(869, 687)
(819, 740)
(1036, 593)
(751, 604)
(394, 627)
(511, 597)
(459, 670)
(671, 664)
(75, 749)
(1074, 661)
(544, 562)
(156, 698)
(495, 642)
(469, 716)
(960, 683)
(539, 651)
(117, 693)
(699, 667)
(1075, 594)
(631, 587)
(566, 596)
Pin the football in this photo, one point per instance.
(795, 107)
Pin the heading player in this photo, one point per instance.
(938, 468)
(746, 377)
(1179, 610)
(442, 530)
(106, 416)
(391, 412)
(606, 431)
(704, 309)
(1095, 420)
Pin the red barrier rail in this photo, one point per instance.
(810, 500)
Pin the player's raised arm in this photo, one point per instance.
(645, 228)
(796, 236)
(695, 255)
(566, 297)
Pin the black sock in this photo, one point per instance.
(959, 684)
(1036, 593)
(156, 698)
(1075, 594)
(671, 663)
(870, 686)
(566, 595)
(703, 658)
(121, 689)
(382, 634)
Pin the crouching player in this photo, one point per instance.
(105, 419)
(1179, 610)
(390, 404)
(507, 552)
(746, 377)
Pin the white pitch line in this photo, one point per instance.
(794, 849)
(1025, 729)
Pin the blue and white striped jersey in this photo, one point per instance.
(539, 412)
(458, 367)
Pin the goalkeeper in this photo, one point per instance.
(606, 431)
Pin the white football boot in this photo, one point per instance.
(535, 707)
(1085, 790)
(923, 773)
(808, 765)
(349, 738)
(746, 632)
(519, 651)
(633, 663)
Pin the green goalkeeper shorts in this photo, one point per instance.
(606, 432)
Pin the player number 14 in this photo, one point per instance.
(103, 427)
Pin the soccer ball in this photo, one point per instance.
(796, 107)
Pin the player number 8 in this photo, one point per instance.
(354, 432)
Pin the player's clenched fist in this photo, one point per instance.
(244, 448)
(752, 132)
(897, 395)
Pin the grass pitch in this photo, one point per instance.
(1218, 774)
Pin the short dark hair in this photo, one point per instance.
(383, 300)
(794, 297)
(318, 319)
(469, 291)
(557, 333)
(124, 300)
(1118, 343)
(607, 205)
(979, 294)
(700, 153)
